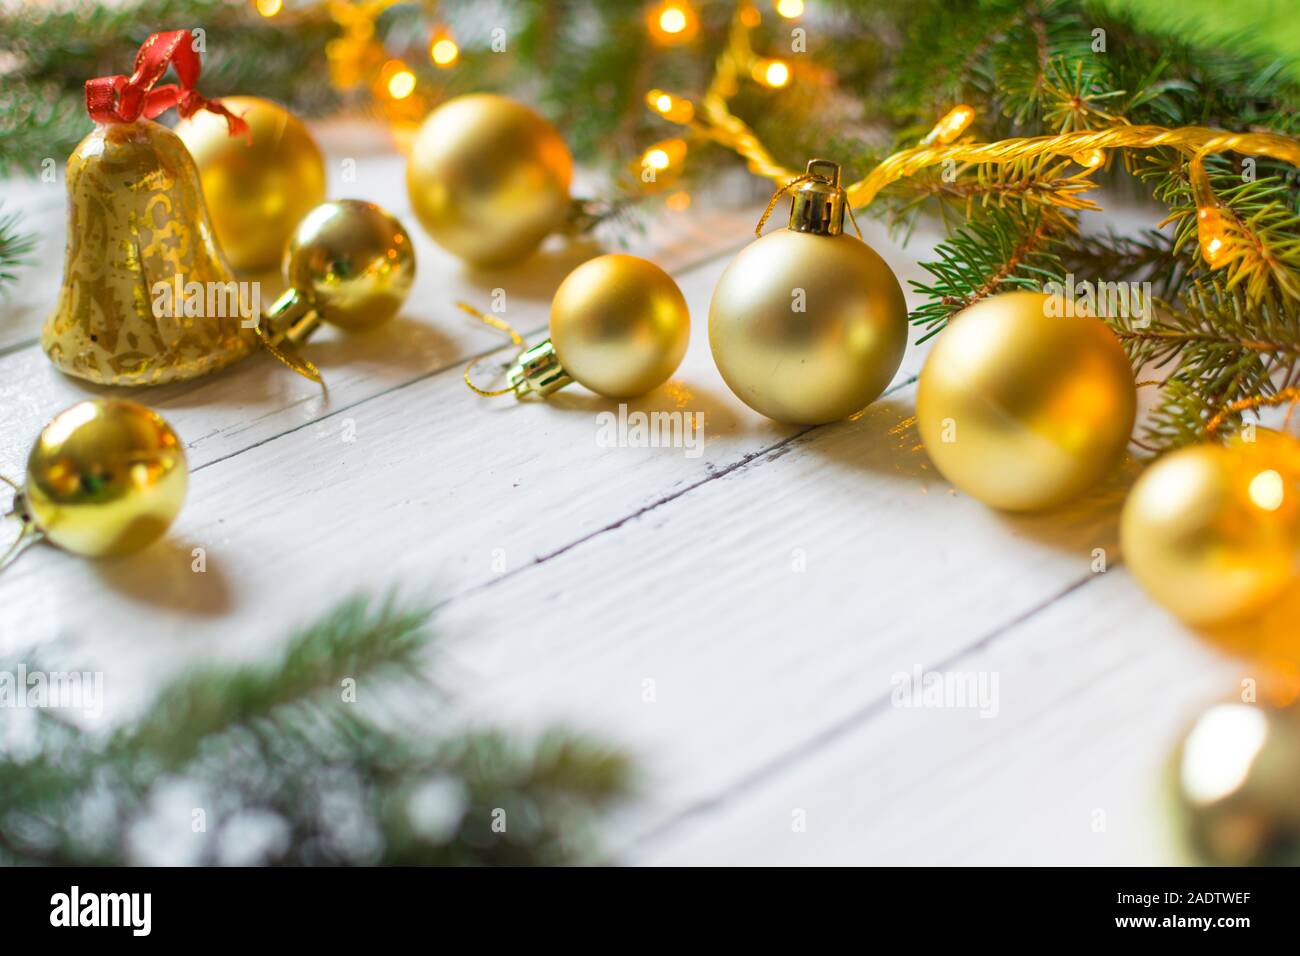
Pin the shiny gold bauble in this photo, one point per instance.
(619, 325)
(1212, 533)
(138, 224)
(488, 178)
(258, 190)
(106, 477)
(807, 328)
(1023, 408)
(1236, 775)
(352, 261)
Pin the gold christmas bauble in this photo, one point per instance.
(488, 178)
(352, 261)
(807, 328)
(1213, 533)
(1022, 407)
(258, 190)
(105, 477)
(619, 325)
(1235, 778)
(808, 324)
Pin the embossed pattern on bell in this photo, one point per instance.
(137, 218)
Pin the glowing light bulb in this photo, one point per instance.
(772, 73)
(951, 126)
(1211, 234)
(1267, 490)
(672, 22)
(269, 8)
(1091, 158)
(399, 80)
(444, 51)
(664, 154)
(672, 108)
(790, 8)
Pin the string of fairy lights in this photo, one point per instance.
(358, 56)
(1225, 242)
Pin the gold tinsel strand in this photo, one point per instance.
(1220, 242)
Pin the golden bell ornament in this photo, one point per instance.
(808, 324)
(619, 326)
(147, 296)
(106, 477)
(138, 229)
(1023, 407)
(488, 178)
(257, 188)
(1235, 775)
(1212, 533)
(349, 263)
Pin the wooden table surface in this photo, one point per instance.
(736, 620)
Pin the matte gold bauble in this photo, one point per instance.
(259, 187)
(349, 263)
(620, 325)
(808, 324)
(1235, 778)
(106, 477)
(488, 178)
(1212, 533)
(1022, 407)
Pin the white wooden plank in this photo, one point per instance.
(24, 304)
(436, 481)
(654, 565)
(1092, 696)
(751, 657)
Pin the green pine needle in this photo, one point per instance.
(1000, 252)
(15, 246)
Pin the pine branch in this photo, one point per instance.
(323, 780)
(1024, 187)
(15, 246)
(1001, 252)
(1215, 349)
(1148, 257)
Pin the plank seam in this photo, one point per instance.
(796, 754)
(742, 463)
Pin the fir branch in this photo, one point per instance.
(1148, 257)
(1023, 186)
(1220, 354)
(15, 246)
(323, 779)
(998, 253)
(1261, 216)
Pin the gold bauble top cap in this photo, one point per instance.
(817, 204)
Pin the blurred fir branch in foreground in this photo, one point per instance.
(286, 771)
(15, 245)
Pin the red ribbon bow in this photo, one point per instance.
(122, 99)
